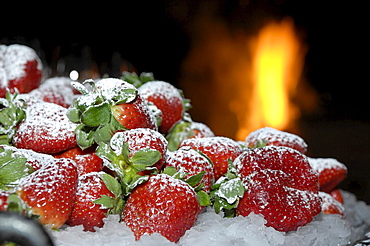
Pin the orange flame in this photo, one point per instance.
(277, 60)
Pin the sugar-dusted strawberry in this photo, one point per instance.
(331, 172)
(4, 200)
(112, 105)
(54, 90)
(50, 191)
(280, 184)
(337, 195)
(191, 162)
(163, 205)
(168, 99)
(269, 136)
(330, 205)
(86, 211)
(185, 129)
(46, 129)
(219, 149)
(141, 138)
(34, 159)
(86, 160)
(134, 154)
(20, 67)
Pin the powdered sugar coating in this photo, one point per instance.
(35, 159)
(164, 205)
(13, 59)
(109, 88)
(328, 202)
(218, 149)
(270, 136)
(320, 164)
(191, 162)
(163, 89)
(50, 191)
(46, 122)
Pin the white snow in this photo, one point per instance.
(213, 229)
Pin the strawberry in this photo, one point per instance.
(219, 149)
(20, 68)
(337, 195)
(54, 90)
(134, 154)
(112, 105)
(166, 98)
(4, 200)
(269, 136)
(85, 211)
(50, 191)
(46, 129)
(191, 162)
(330, 205)
(141, 138)
(87, 161)
(163, 205)
(280, 184)
(185, 129)
(331, 172)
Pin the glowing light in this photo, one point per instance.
(73, 75)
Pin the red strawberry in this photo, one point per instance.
(280, 184)
(87, 161)
(4, 200)
(269, 136)
(186, 129)
(330, 205)
(219, 149)
(46, 129)
(337, 195)
(85, 211)
(191, 162)
(162, 205)
(142, 138)
(50, 191)
(54, 90)
(167, 99)
(331, 172)
(112, 105)
(20, 68)
(133, 154)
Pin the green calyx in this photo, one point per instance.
(203, 197)
(93, 112)
(227, 191)
(133, 170)
(12, 112)
(136, 80)
(13, 166)
(116, 204)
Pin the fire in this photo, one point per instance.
(276, 66)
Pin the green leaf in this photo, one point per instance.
(74, 114)
(80, 87)
(170, 171)
(103, 134)
(12, 167)
(231, 190)
(84, 136)
(144, 158)
(105, 201)
(112, 184)
(203, 198)
(125, 96)
(146, 77)
(195, 179)
(132, 78)
(96, 115)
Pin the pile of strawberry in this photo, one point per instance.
(72, 153)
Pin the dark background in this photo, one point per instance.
(157, 35)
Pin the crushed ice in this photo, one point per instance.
(213, 229)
